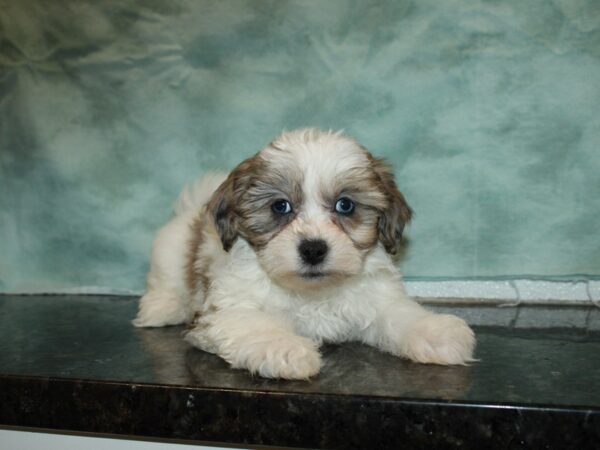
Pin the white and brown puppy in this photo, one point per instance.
(293, 249)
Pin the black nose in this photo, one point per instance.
(313, 251)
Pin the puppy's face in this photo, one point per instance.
(311, 205)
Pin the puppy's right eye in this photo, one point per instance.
(281, 207)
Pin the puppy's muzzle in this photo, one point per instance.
(313, 251)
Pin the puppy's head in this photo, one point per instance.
(311, 204)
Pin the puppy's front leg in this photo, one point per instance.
(402, 327)
(260, 342)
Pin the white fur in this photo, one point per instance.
(274, 329)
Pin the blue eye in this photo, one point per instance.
(344, 206)
(281, 207)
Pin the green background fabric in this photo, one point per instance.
(488, 110)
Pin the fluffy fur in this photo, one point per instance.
(240, 270)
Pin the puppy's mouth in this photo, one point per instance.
(314, 275)
(321, 276)
(311, 279)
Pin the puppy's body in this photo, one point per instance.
(271, 261)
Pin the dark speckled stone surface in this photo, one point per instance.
(76, 363)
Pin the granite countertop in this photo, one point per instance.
(76, 364)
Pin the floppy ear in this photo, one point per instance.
(397, 213)
(224, 204)
(220, 207)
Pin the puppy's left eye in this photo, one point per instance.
(344, 206)
(281, 206)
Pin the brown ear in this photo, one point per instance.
(220, 207)
(397, 213)
(224, 205)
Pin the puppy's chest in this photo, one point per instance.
(332, 321)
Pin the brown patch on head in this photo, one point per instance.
(241, 206)
(381, 211)
(195, 276)
(259, 223)
(361, 185)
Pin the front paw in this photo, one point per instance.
(290, 357)
(439, 339)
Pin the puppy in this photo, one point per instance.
(292, 249)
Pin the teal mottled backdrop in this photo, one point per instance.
(489, 110)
